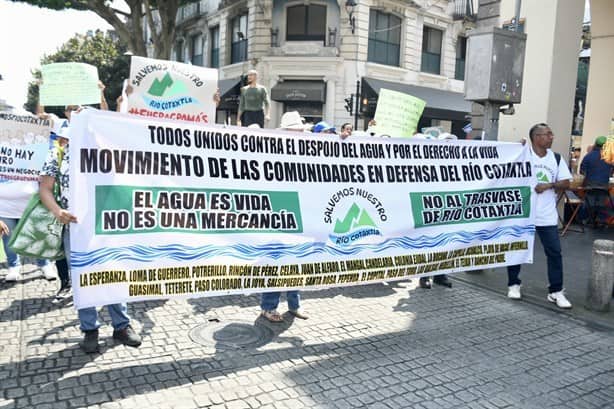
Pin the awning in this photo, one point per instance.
(440, 104)
(230, 89)
(313, 91)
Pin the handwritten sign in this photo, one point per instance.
(69, 83)
(24, 142)
(397, 114)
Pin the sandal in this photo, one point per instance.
(272, 316)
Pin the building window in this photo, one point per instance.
(215, 47)
(384, 38)
(238, 48)
(179, 51)
(431, 50)
(461, 53)
(306, 23)
(196, 49)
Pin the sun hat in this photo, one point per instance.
(292, 120)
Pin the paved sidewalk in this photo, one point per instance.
(373, 346)
(577, 251)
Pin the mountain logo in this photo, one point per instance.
(542, 177)
(167, 87)
(355, 225)
(354, 219)
(167, 94)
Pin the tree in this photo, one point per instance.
(158, 15)
(100, 50)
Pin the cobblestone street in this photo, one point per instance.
(374, 346)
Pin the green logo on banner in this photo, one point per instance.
(355, 218)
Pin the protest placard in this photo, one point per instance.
(181, 210)
(69, 83)
(397, 114)
(172, 90)
(24, 142)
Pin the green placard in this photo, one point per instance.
(397, 114)
(69, 83)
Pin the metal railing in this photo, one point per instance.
(465, 9)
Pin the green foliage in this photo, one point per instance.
(99, 50)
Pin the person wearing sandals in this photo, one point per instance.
(270, 301)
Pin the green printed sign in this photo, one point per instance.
(397, 114)
(470, 206)
(133, 209)
(69, 83)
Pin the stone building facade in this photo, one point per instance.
(311, 54)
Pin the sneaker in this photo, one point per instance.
(559, 299)
(425, 282)
(64, 292)
(513, 292)
(127, 336)
(89, 345)
(14, 274)
(49, 272)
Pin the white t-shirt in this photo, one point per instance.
(14, 197)
(545, 170)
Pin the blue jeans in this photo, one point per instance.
(88, 317)
(270, 301)
(11, 257)
(549, 237)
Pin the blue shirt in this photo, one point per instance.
(595, 170)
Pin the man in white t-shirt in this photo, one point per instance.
(552, 174)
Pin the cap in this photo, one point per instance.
(600, 141)
(323, 127)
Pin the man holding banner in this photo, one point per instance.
(552, 173)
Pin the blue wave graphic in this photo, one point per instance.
(278, 250)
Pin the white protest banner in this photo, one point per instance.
(69, 83)
(172, 90)
(24, 143)
(168, 209)
(397, 114)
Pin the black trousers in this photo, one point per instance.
(252, 117)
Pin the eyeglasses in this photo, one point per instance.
(544, 134)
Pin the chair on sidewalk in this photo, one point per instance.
(575, 203)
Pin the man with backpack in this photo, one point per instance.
(552, 174)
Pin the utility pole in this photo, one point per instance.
(357, 104)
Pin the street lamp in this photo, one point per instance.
(349, 7)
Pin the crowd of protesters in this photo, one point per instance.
(253, 111)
